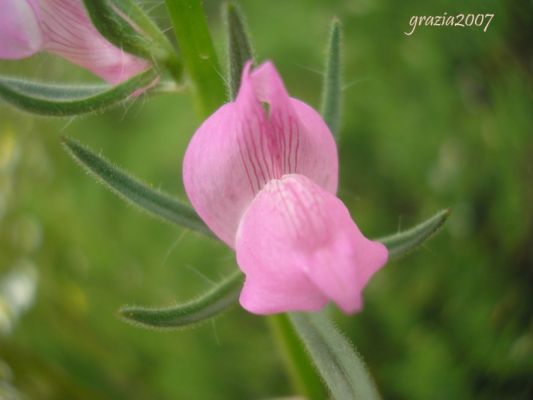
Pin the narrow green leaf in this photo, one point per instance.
(331, 91)
(302, 373)
(115, 25)
(198, 54)
(133, 191)
(209, 305)
(335, 358)
(62, 100)
(405, 242)
(239, 47)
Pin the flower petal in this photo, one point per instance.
(298, 247)
(19, 28)
(242, 146)
(301, 138)
(68, 32)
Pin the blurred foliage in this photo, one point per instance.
(440, 118)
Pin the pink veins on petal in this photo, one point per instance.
(241, 147)
(262, 173)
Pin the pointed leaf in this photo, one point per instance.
(331, 91)
(119, 21)
(132, 190)
(198, 54)
(62, 100)
(239, 47)
(209, 305)
(337, 362)
(404, 242)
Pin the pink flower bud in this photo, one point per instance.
(262, 173)
(62, 27)
(20, 33)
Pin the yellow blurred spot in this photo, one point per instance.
(9, 151)
(6, 323)
(76, 299)
(522, 348)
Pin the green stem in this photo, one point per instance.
(198, 53)
(175, 69)
(301, 371)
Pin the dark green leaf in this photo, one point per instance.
(239, 47)
(62, 100)
(134, 191)
(113, 19)
(337, 362)
(331, 91)
(209, 305)
(404, 242)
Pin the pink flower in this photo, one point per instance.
(262, 173)
(62, 27)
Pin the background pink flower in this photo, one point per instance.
(62, 27)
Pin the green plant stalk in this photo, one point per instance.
(175, 68)
(303, 375)
(198, 54)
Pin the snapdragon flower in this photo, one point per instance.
(262, 173)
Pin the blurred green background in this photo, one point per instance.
(441, 118)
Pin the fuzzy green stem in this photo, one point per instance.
(303, 375)
(198, 54)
